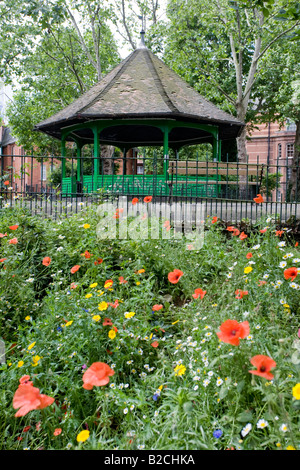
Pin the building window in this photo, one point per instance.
(279, 151)
(140, 169)
(289, 150)
(43, 172)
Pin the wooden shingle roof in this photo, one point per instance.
(142, 87)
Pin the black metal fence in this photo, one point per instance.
(55, 188)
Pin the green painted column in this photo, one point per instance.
(79, 161)
(96, 132)
(63, 155)
(166, 151)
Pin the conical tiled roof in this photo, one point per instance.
(141, 87)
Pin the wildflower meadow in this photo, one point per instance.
(138, 344)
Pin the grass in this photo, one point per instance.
(190, 390)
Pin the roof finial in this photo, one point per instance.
(142, 44)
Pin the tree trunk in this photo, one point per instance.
(107, 161)
(295, 174)
(241, 146)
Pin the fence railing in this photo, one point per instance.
(54, 187)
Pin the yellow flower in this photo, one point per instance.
(180, 369)
(248, 269)
(20, 363)
(83, 436)
(103, 306)
(138, 283)
(96, 317)
(111, 334)
(69, 323)
(86, 226)
(129, 314)
(108, 284)
(28, 317)
(290, 448)
(94, 284)
(296, 391)
(35, 360)
(88, 296)
(31, 346)
(174, 322)
(140, 271)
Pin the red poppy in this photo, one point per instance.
(134, 201)
(6, 183)
(239, 293)
(28, 398)
(249, 255)
(73, 285)
(107, 322)
(155, 344)
(148, 199)
(25, 380)
(199, 293)
(99, 261)
(13, 241)
(26, 429)
(75, 268)
(230, 228)
(214, 220)
(108, 283)
(157, 307)
(13, 227)
(296, 244)
(97, 375)
(263, 230)
(175, 275)
(231, 331)
(86, 254)
(261, 283)
(258, 199)
(3, 235)
(235, 232)
(290, 273)
(278, 233)
(3, 259)
(243, 236)
(122, 280)
(46, 261)
(263, 364)
(115, 304)
(57, 432)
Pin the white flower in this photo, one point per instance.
(262, 423)
(256, 247)
(206, 382)
(265, 276)
(281, 244)
(282, 264)
(125, 411)
(283, 428)
(246, 429)
(156, 413)
(296, 260)
(219, 382)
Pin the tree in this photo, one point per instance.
(219, 45)
(70, 54)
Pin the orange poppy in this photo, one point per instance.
(115, 304)
(73, 285)
(57, 432)
(108, 283)
(231, 331)
(263, 230)
(175, 275)
(235, 232)
(13, 241)
(258, 199)
(278, 233)
(263, 364)
(230, 228)
(134, 201)
(25, 380)
(261, 283)
(3, 235)
(148, 199)
(199, 293)
(28, 398)
(157, 307)
(214, 220)
(290, 273)
(46, 261)
(86, 254)
(249, 255)
(243, 236)
(107, 322)
(122, 280)
(3, 259)
(239, 293)
(99, 261)
(155, 344)
(97, 375)
(296, 244)
(13, 227)
(6, 183)
(75, 268)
